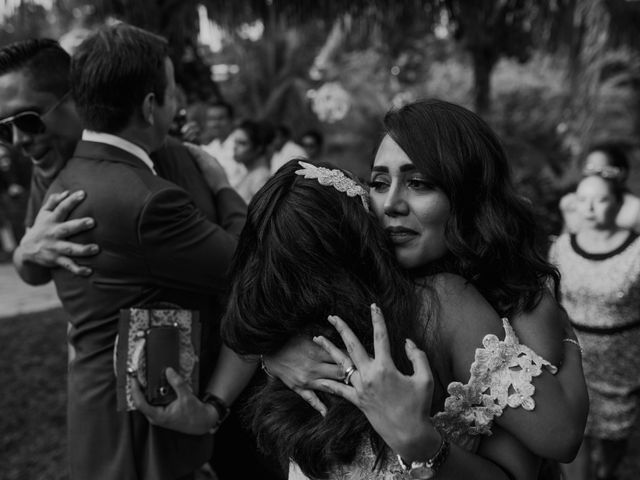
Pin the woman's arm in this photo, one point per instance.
(554, 428)
(398, 406)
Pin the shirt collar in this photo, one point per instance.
(120, 143)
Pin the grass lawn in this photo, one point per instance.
(33, 359)
(33, 373)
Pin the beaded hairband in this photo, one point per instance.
(336, 179)
(606, 171)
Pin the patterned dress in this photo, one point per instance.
(601, 293)
(501, 377)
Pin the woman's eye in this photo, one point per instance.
(378, 185)
(419, 184)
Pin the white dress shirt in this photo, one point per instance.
(120, 143)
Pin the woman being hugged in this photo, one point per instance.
(441, 188)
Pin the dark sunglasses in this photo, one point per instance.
(29, 122)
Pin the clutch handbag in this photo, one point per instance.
(150, 339)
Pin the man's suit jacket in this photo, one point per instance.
(155, 246)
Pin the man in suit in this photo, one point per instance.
(155, 245)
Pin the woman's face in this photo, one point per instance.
(243, 149)
(411, 209)
(596, 203)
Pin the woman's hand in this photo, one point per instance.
(396, 405)
(300, 365)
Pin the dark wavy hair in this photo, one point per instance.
(308, 251)
(111, 73)
(491, 233)
(44, 62)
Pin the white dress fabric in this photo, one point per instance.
(501, 377)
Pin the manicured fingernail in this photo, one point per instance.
(410, 343)
(79, 194)
(89, 222)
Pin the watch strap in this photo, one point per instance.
(221, 407)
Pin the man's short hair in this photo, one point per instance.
(42, 60)
(222, 104)
(111, 73)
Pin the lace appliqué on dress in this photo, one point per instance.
(501, 376)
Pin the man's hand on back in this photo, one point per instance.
(45, 244)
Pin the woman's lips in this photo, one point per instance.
(400, 235)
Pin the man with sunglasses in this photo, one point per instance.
(50, 137)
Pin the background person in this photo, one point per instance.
(251, 140)
(283, 148)
(312, 142)
(217, 140)
(600, 289)
(610, 161)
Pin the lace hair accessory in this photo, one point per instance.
(336, 179)
(608, 172)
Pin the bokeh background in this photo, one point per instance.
(550, 76)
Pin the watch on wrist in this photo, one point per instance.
(428, 468)
(221, 407)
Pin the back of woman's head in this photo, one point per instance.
(491, 233)
(308, 251)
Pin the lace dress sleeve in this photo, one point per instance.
(501, 376)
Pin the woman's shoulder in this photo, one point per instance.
(464, 319)
(460, 299)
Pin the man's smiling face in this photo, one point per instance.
(50, 149)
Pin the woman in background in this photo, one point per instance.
(600, 289)
(610, 161)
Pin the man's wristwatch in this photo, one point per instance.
(428, 468)
(219, 404)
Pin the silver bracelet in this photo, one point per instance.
(575, 342)
(428, 468)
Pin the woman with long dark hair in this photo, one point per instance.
(440, 186)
